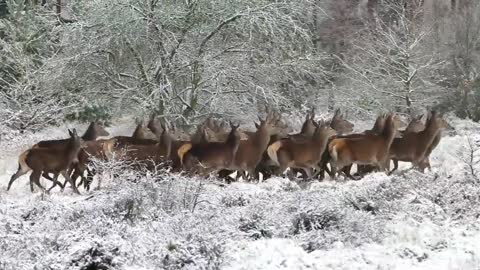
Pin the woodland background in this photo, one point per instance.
(98, 59)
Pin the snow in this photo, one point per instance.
(142, 221)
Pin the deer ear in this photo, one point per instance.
(257, 125)
(70, 133)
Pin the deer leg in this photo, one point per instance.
(55, 182)
(425, 163)
(346, 172)
(334, 169)
(395, 165)
(308, 173)
(14, 177)
(252, 175)
(78, 173)
(35, 178)
(47, 176)
(67, 178)
(241, 173)
(90, 175)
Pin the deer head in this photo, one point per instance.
(341, 125)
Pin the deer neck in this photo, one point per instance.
(427, 136)
(378, 126)
(71, 152)
(320, 142)
(389, 133)
(307, 129)
(260, 139)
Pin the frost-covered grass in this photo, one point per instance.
(143, 221)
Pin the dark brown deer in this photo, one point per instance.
(415, 147)
(48, 160)
(211, 156)
(302, 155)
(93, 131)
(366, 150)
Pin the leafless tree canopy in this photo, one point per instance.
(193, 58)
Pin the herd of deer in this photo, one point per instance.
(215, 147)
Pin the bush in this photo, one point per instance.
(91, 113)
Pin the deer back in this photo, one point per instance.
(250, 151)
(413, 146)
(369, 149)
(216, 154)
(305, 153)
(55, 159)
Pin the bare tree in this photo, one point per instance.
(391, 59)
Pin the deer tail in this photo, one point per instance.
(183, 150)
(272, 151)
(333, 152)
(22, 161)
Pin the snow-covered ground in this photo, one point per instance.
(406, 221)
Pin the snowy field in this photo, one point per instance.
(137, 221)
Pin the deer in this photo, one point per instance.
(139, 136)
(361, 169)
(146, 154)
(340, 124)
(99, 149)
(366, 150)
(53, 160)
(415, 147)
(414, 125)
(250, 151)
(93, 131)
(210, 156)
(308, 127)
(302, 155)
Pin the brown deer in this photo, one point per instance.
(100, 149)
(340, 124)
(139, 136)
(302, 155)
(93, 131)
(377, 128)
(53, 160)
(210, 156)
(150, 155)
(308, 127)
(365, 150)
(250, 151)
(415, 125)
(415, 147)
